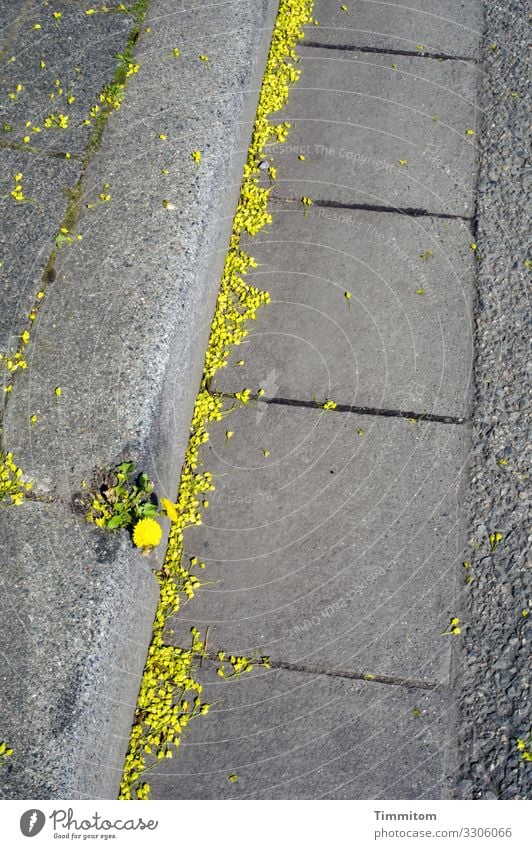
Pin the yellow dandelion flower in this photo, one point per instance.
(147, 533)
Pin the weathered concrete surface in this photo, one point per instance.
(337, 550)
(122, 329)
(77, 608)
(355, 117)
(302, 736)
(450, 27)
(124, 326)
(388, 346)
(79, 51)
(28, 231)
(11, 19)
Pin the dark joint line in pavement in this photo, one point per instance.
(368, 677)
(37, 151)
(413, 212)
(362, 411)
(353, 675)
(380, 51)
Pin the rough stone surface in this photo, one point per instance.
(301, 736)
(337, 550)
(450, 27)
(79, 51)
(77, 609)
(496, 656)
(124, 326)
(28, 232)
(356, 118)
(387, 346)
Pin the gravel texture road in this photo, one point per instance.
(495, 651)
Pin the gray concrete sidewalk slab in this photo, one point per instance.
(79, 51)
(388, 346)
(74, 635)
(45, 181)
(338, 549)
(289, 735)
(356, 119)
(450, 27)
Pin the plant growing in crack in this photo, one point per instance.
(125, 498)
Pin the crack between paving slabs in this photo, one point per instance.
(354, 675)
(390, 51)
(361, 411)
(38, 151)
(412, 211)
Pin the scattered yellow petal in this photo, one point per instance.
(170, 509)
